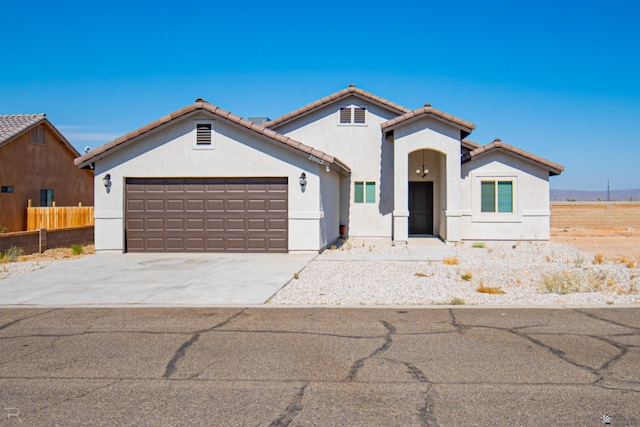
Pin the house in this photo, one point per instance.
(203, 179)
(36, 163)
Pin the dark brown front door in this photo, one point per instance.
(206, 215)
(420, 207)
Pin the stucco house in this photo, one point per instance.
(36, 163)
(203, 179)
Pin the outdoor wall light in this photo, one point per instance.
(303, 180)
(106, 180)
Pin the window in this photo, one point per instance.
(352, 115)
(204, 134)
(365, 192)
(37, 135)
(497, 196)
(7, 188)
(46, 198)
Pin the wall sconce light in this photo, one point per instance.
(106, 180)
(303, 180)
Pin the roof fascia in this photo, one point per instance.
(465, 130)
(467, 158)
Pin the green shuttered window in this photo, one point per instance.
(497, 196)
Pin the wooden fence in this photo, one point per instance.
(59, 217)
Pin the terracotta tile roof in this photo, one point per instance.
(12, 125)
(469, 144)
(351, 90)
(497, 144)
(202, 105)
(428, 110)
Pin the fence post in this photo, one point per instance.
(42, 246)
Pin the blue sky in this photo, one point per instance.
(558, 80)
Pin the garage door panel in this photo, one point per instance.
(206, 214)
(236, 205)
(215, 205)
(155, 205)
(175, 224)
(175, 205)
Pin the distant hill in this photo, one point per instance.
(578, 195)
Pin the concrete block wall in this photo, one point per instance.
(595, 214)
(37, 241)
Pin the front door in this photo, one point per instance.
(420, 207)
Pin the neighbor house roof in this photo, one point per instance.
(334, 97)
(199, 106)
(428, 111)
(497, 145)
(14, 125)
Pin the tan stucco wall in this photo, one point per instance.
(31, 167)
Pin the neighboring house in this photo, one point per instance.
(203, 179)
(36, 163)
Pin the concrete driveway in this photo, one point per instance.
(155, 279)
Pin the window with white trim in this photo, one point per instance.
(364, 192)
(353, 115)
(496, 196)
(203, 134)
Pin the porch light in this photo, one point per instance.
(303, 180)
(424, 171)
(106, 180)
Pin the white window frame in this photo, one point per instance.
(352, 108)
(476, 198)
(210, 146)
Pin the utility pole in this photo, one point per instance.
(608, 190)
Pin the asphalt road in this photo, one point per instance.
(323, 367)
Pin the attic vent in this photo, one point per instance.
(358, 115)
(203, 134)
(37, 135)
(345, 115)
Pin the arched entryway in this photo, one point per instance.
(426, 191)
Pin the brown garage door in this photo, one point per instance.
(206, 214)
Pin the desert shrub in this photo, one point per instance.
(467, 276)
(454, 301)
(451, 261)
(598, 259)
(77, 249)
(629, 262)
(481, 245)
(489, 290)
(421, 275)
(566, 282)
(12, 254)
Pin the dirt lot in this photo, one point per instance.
(613, 243)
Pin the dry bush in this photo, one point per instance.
(453, 301)
(598, 259)
(451, 261)
(629, 262)
(421, 275)
(489, 290)
(467, 276)
(567, 282)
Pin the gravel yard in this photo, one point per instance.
(518, 273)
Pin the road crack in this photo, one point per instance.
(181, 351)
(294, 407)
(388, 340)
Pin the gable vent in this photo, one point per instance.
(203, 134)
(358, 115)
(345, 115)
